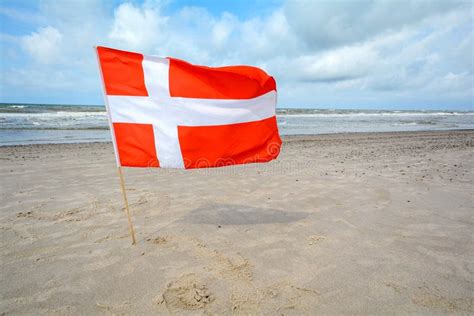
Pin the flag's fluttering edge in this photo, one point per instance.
(167, 113)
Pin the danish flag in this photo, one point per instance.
(165, 112)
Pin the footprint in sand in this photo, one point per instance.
(159, 240)
(186, 293)
(108, 238)
(432, 297)
(25, 214)
(313, 240)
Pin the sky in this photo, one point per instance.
(397, 54)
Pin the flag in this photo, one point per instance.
(165, 112)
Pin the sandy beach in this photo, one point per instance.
(378, 223)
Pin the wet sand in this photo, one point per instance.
(351, 223)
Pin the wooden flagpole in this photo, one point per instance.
(127, 210)
(114, 142)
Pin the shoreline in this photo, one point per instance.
(283, 137)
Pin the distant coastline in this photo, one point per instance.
(22, 123)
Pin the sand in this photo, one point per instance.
(357, 223)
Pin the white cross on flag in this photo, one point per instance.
(167, 113)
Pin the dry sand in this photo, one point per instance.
(361, 223)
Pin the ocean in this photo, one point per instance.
(43, 124)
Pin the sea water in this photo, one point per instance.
(43, 124)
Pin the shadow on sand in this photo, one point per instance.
(229, 214)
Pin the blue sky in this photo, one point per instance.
(323, 54)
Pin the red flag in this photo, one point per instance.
(165, 112)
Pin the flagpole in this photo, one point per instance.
(114, 142)
(127, 210)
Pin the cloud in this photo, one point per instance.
(43, 45)
(326, 24)
(138, 28)
(222, 30)
(346, 63)
(358, 52)
(19, 15)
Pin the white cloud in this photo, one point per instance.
(364, 51)
(137, 28)
(19, 15)
(223, 29)
(326, 24)
(341, 64)
(43, 45)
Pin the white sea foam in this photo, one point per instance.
(379, 114)
(22, 123)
